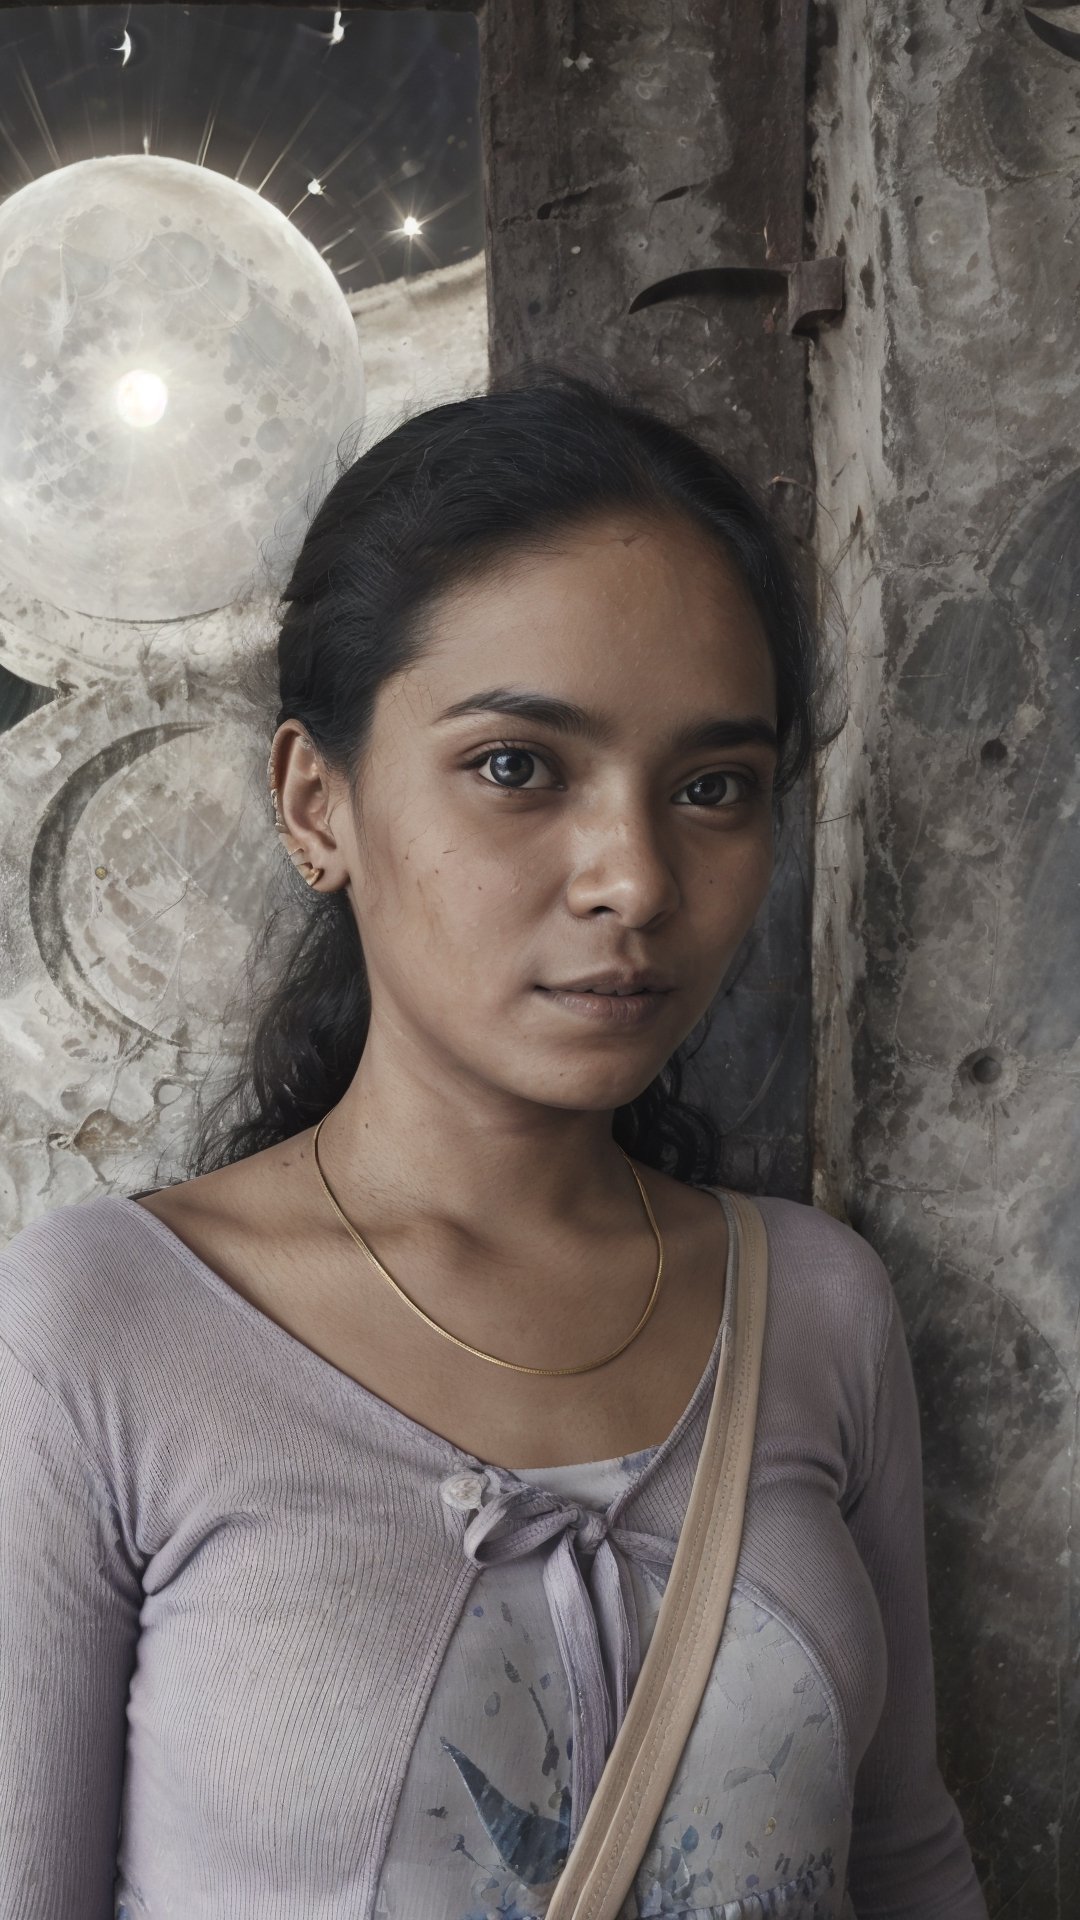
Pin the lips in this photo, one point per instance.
(602, 1008)
(619, 981)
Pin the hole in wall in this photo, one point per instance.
(984, 1067)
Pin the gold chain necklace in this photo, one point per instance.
(478, 1351)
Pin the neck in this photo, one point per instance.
(415, 1152)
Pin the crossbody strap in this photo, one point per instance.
(637, 1776)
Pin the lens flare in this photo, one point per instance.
(141, 398)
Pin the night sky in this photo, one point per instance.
(385, 119)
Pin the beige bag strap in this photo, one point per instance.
(663, 1704)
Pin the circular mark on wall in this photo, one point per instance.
(992, 123)
(989, 1072)
(984, 1067)
(147, 880)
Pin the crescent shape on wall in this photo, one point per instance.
(61, 817)
(1064, 40)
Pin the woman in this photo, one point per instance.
(342, 1481)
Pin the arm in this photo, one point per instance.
(69, 1621)
(909, 1857)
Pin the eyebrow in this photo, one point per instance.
(562, 716)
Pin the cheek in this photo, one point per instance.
(760, 860)
(459, 904)
(494, 904)
(728, 893)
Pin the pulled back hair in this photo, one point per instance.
(435, 504)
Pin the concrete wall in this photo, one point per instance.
(946, 423)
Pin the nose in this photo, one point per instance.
(624, 864)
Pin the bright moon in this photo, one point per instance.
(410, 224)
(141, 398)
(211, 364)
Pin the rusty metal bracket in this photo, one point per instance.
(815, 288)
(815, 292)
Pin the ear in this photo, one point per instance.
(299, 786)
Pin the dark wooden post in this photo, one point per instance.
(645, 185)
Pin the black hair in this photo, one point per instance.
(435, 503)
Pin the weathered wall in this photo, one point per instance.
(136, 838)
(946, 412)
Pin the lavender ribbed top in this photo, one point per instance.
(230, 1577)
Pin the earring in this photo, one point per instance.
(304, 866)
(297, 855)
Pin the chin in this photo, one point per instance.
(588, 1092)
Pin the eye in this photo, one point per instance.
(506, 750)
(514, 768)
(751, 786)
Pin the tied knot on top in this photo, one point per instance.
(591, 1599)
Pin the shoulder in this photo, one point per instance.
(821, 1247)
(73, 1291)
(830, 1323)
(65, 1254)
(70, 1321)
(825, 1280)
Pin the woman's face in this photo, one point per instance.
(500, 855)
